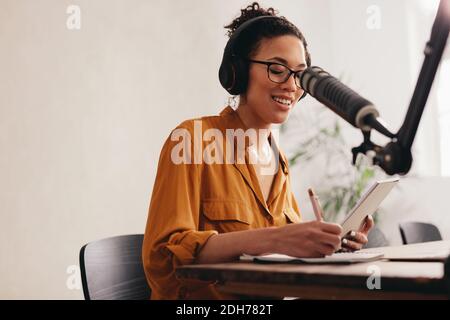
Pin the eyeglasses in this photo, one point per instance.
(279, 73)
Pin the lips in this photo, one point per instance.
(282, 106)
(284, 101)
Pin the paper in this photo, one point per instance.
(351, 257)
(425, 251)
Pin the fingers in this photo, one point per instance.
(351, 245)
(333, 228)
(318, 238)
(324, 249)
(368, 224)
(357, 237)
(354, 241)
(329, 239)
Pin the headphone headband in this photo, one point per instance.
(246, 25)
(233, 71)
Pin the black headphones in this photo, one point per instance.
(233, 72)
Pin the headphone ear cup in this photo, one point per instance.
(241, 76)
(227, 74)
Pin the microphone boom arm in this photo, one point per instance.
(396, 157)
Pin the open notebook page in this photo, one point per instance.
(350, 257)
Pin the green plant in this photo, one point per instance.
(342, 183)
(338, 200)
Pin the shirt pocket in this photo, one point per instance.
(227, 216)
(291, 215)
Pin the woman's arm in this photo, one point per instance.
(309, 239)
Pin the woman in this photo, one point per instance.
(212, 210)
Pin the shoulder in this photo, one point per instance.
(226, 118)
(201, 123)
(193, 129)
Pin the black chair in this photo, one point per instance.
(416, 232)
(111, 269)
(376, 238)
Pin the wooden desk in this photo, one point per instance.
(399, 279)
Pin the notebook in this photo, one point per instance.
(367, 204)
(336, 258)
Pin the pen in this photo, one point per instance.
(315, 204)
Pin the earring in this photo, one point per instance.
(232, 102)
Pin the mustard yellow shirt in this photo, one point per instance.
(193, 201)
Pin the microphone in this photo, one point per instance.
(348, 104)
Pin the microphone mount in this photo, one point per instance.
(396, 157)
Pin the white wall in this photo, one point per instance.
(382, 65)
(83, 114)
(83, 117)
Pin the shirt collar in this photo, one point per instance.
(235, 122)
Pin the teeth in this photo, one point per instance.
(281, 100)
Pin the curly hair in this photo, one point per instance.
(266, 29)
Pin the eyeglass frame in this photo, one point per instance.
(269, 63)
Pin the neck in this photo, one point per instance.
(252, 120)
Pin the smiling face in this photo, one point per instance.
(266, 102)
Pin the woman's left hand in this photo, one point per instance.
(355, 240)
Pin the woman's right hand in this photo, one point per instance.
(308, 239)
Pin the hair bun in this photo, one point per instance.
(251, 11)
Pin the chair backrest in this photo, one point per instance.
(416, 232)
(376, 238)
(111, 269)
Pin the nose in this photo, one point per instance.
(290, 85)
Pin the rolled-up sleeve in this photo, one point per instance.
(172, 235)
(185, 245)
